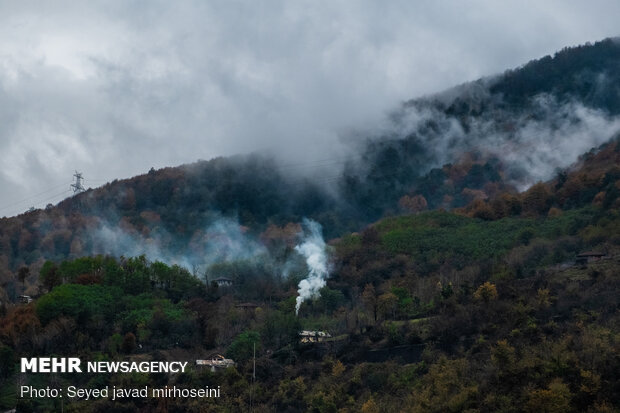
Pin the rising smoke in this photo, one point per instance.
(223, 240)
(313, 248)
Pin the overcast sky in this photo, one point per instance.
(113, 88)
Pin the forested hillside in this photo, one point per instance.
(473, 264)
(475, 141)
(448, 311)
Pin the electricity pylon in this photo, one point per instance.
(77, 186)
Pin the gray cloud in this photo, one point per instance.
(113, 88)
(532, 144)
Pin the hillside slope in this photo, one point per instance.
(476, 141)
(432, 311)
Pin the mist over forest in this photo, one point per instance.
(502, 133)
(435, 251)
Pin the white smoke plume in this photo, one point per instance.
(113, 240)
(313, 248)
(223, 240)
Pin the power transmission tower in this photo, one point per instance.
(77, 186)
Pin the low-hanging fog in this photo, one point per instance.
(112, 89)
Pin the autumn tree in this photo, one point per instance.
(537, 199)
(511, 204)
(129, 343)
(503, 355)
(554, 399)
(447, 387)
(487, 292)
(387, 304)
(414, 204)
(482, 210)
(370, 406)
(338, 368)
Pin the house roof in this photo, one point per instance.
(216, 360)
(312, 333)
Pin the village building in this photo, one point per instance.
(223, 282)
(216, 361)
(25, 299)
(312, 336)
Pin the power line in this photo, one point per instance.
(31, 197)
(76, 186)
(43, 201)
(54, 196)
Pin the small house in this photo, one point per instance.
(25, 299)
(216, 361)
(311, 336)
(587, 257)
(223, 282)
